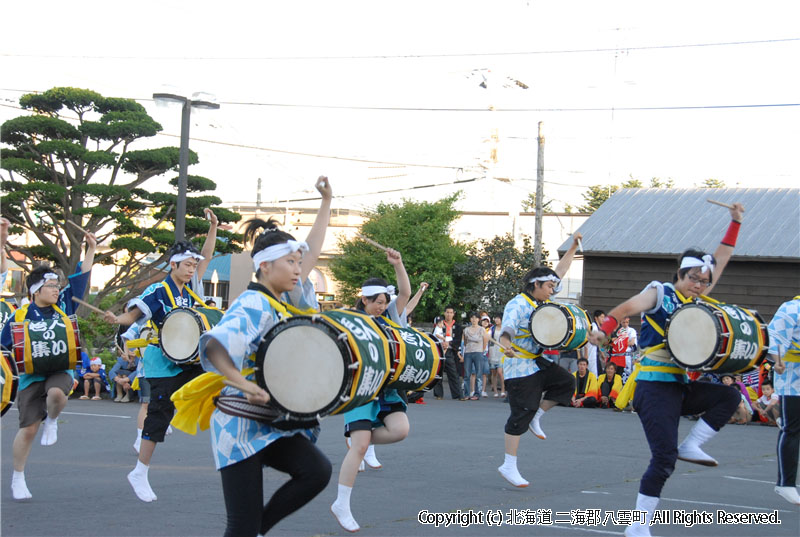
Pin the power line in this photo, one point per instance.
(404, 56)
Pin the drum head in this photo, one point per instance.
(180, 334)
(549, 325)
(692, 335)
(303, 369)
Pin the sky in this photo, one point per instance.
(681, 90)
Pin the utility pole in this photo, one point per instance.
(537, 240)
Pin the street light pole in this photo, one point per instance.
(183, 172)
(183, 157)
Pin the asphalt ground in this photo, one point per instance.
(591, 460)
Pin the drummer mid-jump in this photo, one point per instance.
(187, 266)
(528, 373)
(663, 391)
(42, 397)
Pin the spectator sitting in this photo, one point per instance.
(585, 386)
(767, 405)
(610, 384)
(122, 375)
(94, 375)
(743, 413)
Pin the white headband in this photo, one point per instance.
(38, 285)
(276, 251)
(690, 262)
(548, 278)
(372, 290)
(177, 258)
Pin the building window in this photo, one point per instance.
(222, 291)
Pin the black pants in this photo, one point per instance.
(453, 379)
(660, 406)
(242, 485)
(525, 394)
(789, 440)
(161, 408)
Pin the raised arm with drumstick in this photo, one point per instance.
(42, 396)
(372, 423)
(243, 444)
(662, 389)
(412, 304)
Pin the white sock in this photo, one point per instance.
(700, 434)
(341, 509)
(19, 489)
(510, 473)
(141, 485)
(539, 414)
(49, 431)
(370, 458)
(137, 444)
(647, 504)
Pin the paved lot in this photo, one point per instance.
(592, 459)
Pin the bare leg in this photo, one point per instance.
(395, 429)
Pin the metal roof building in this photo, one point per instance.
(637, 235)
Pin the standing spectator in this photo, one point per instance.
(496, 359)
(585, 394)
(630, 351)
(486, 323)
(594, 354)
(609, 386)
(475, 339)
(453, 359)
(569, 360)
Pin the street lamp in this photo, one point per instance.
(198, 100)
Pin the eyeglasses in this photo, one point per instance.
(52, 286)
(704, 283)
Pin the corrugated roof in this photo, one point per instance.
(222, 264)
(667, 221)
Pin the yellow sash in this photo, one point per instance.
(197, 299)
(793, 355)
(72, 344)
(525, 334)
(630, 385)
(194, 401)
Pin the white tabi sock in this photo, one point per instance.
(535, 427)
(510, 472)
(19, 489)
(341, 509)
(647, 504)
(141, 486)
(138, 443)
(49, 431)
(370, 458)
(690, 451)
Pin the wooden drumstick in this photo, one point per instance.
(715, 202)
(372, 242)
(246, 387)
(84, 303)
(79, 228)
(502, 348)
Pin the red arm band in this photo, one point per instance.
(609, 325)
(733, 232)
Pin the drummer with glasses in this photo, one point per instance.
(663, 392)
(533, 380)
(41, 398)
(178, 289)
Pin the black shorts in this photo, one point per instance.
(525, 393)
(366, 425)
(161, 408)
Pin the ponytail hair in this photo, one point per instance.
(264, 234)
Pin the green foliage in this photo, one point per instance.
(420, 232)
(529, 204)
(656, 182)
(195, 183)
(713, 183)
(495, 269)
(596, 196)
(50, 175)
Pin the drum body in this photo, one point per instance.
(9, 379)
(560, 326)
(6, 312)
(416, 359)
(323, 364)
(179, 336)
(47, 346)
(722, 338)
